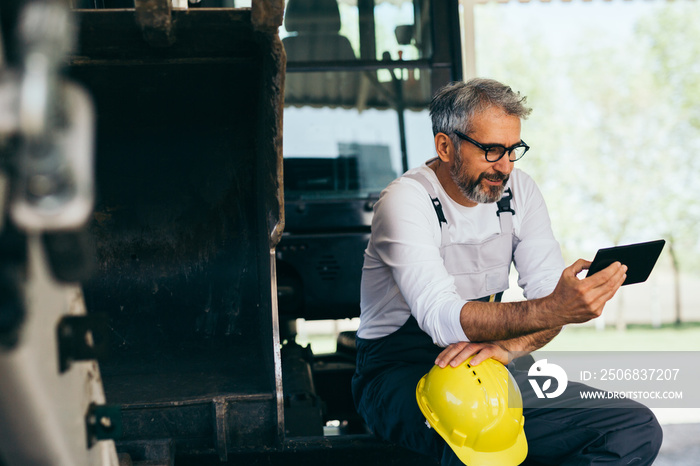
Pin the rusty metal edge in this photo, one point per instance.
(267, 15)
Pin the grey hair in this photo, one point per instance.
(454, 105)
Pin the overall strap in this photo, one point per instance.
(505, 211)
(494, 298)
(504, 207)
(419, 177)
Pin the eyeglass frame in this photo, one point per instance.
(487, 147)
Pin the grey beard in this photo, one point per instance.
(473, 190)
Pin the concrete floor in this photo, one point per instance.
(681, 446)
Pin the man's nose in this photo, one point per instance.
(504, 165)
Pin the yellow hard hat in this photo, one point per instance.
(478, 410)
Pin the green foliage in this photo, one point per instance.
(673, 40)
(615, 129)
(668, 337)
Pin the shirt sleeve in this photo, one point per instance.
(537, 254)
(406, 238)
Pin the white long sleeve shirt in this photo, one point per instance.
(404, 272)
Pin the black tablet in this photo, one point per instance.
(639, 258)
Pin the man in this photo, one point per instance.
(443, 239)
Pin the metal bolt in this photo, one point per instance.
(41, 185)
(106, 422)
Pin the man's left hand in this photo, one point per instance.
(456, 353)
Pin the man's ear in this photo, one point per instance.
(444, 147)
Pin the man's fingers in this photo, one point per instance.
(462, 356)
(481, 356)
(579, 266)
(490, 351)
(456, 353)
(609, 276)
(448, 354)
(623, 277)
(599, 277)
(604, 290)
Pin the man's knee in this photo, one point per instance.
(642, 434)
(651, 434)
(628, 434)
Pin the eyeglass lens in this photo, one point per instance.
(495, 153)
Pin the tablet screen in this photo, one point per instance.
(639, 258)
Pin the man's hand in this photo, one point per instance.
(456, 353)
(577, 300)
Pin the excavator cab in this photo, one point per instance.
(358, 75)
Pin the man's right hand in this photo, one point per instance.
(576, 300)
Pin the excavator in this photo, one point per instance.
(157, 244)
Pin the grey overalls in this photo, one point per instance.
(480, 269)
(400, 359)
(389, 368)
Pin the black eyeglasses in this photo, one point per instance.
(494, 152)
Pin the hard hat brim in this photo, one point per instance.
(512, 456)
